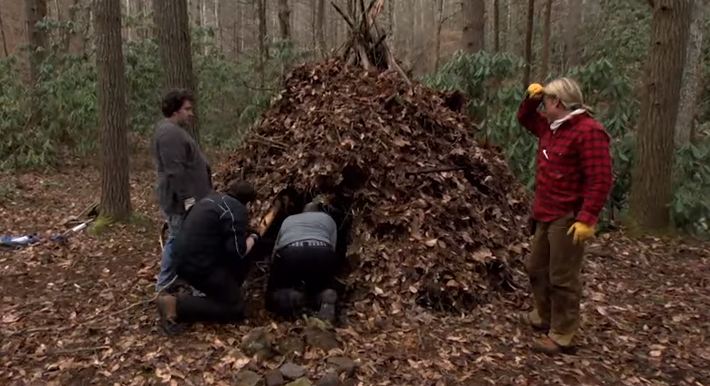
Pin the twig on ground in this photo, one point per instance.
(434, 170)
(267, 141)
(75, 350)
(86, 323)
(96, 318)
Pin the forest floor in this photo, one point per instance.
(82, 313)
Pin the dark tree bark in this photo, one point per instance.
(2, 36)
(651, 188)
(692, 77)
(439, 26)
(573, 26)
(238, 29)
(391, 20)
(320, 25)
(36, 11)
(128, 11)
(284, 20)
(140, 13)
(263, 48)
(496, 25)
(546, 32)
(351, 8)
(528, 42)
(111, 90)
(175, 49)
(474, 25)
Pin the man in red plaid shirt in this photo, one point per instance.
(572, 182)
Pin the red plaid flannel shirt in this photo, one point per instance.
(573, 166)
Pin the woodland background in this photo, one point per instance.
(243, 49)
(80, 86)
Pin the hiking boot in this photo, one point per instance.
(327, 300)
(288, 302)
(528, 318)
(548, 346)
(167, 309)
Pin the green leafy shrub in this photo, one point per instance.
(491, 83)
(230, 99)
(143, 74)
(610, 93)
(690, 209)
(66, 105)
(15, 119)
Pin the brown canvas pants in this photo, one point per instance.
(554, 269)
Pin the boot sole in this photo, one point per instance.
(537, 327)
(565, 350)
(169, 327)
(327, 313)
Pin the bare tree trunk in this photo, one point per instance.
(220, 37)
(216, 13)
(263, 49)
(36, 11)
(129, 11)
(591, 11)
(142, 31)
(546, 32)
(496, 26)
(692, 75)
(194, 8)
(439, 26)
(226, 18)
(245, 22)
(651, 187)
(518, 19)
(391, 20)
(320, 22)
(474, 25)
(528, 42)
(411, 28)
(73, 40)
(2, 35)
(111, 85)
(175, 49)
(573, 48)
(503, 26)
(509, 46)
(351, 8)
(284, 21)
(88, 41)
(203, 14)
(58, 10)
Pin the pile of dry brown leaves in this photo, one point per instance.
(439, 218)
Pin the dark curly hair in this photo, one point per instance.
(174, 99)
(241, 190)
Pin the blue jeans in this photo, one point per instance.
(167, 273)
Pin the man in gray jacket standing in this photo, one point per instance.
(183, 172)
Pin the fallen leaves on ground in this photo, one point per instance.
(645, 315)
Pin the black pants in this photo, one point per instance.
(223, 303)
(309, 269)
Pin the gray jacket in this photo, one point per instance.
(183, 171)
(307, 226)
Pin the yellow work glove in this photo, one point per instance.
(581, 232)
(534, 91)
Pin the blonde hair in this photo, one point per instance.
(568, 92)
